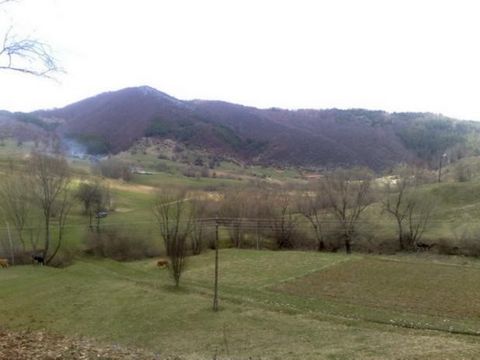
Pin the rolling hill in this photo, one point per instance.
(114, 121)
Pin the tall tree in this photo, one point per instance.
(174, 219)
(64, 206)
(348, 193)
(312, 206)
(95, 197)
(410, 209)
(50, 180)
(284, 222)
(234, 210)
(15, 203)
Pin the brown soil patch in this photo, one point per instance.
(27, 345)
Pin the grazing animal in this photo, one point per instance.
(163, 263)
(37, 259)
(4, 263)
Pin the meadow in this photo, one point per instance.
(273, 304)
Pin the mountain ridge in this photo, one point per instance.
(272, 136)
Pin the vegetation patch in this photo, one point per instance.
(415, 287)
(41, 345)
(35, 120)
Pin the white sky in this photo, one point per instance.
(396, 55)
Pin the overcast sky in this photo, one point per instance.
(405, 55)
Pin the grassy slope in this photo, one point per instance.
(273, 303)
(269, 306)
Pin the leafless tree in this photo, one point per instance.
(95, 197)
(348, 193)
(64, 206)
(15, 203)
(419, 211)
(26, 55)
(50, 179)
(311, 205)
(284, 222)
(198, 230)
(410, 209)
(260, 210)
(396, 202)
(233, 211)
(174, 219)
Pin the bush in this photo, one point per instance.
(63, 258)
(21, 257)
(119, 244)
(115, 169)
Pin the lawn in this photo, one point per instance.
(274, 305)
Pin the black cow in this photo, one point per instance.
(38, 259)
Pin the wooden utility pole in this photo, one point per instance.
(215, 288)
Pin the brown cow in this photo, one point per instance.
(163, 263)
(4, 263)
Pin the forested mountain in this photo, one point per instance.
(114, 121)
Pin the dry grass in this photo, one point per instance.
(134, 304)
(444, 293)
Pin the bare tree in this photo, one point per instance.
(15, 203)
(174, 219)
(233, 211)
(50, 179)
(284, 222)
(63, 210)
(199, 208)
(419, 211)
(26, 55)
(348, 193)
(95, 197)
(312, 206)
(396, 202)
(410, 210)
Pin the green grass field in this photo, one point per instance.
(274, 305)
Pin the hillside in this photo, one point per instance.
(114, 121)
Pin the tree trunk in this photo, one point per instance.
(47, 235)
(321, 245)
(348, 244)
(320, 242)
(400, 234)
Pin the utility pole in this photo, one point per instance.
(215, 288)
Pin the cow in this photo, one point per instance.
(163, 263)
(4, 263)
(38, 259)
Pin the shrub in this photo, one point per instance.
(119, 244)
(115, 169)
(63, 258)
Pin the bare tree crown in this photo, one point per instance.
(26, 55)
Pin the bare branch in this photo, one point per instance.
(26, 55)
